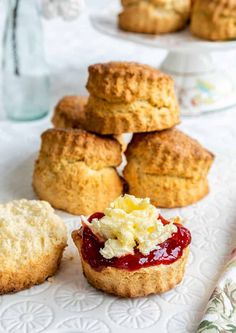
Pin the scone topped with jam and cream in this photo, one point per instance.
(130, 250)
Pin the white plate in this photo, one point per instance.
(183, 41)
(68, 304)
(201, 87)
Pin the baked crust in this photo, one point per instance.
(154, 16)
(69, 112)
(142, 282)
(129, 97)
(165, 191)
(32, 241)
(214, 20)
(169, 153)
(138, 116)
(168, 167)
(78, 145)
(128, 81)
(75, 187)
(75, 171)
(34, 273)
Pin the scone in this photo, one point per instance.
(214, 20)
(131, 250)
(129, 97)
(75, 170)
(32, 240)
(169, 167)
(70, 113)
(154, 16)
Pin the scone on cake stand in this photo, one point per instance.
(201, 86)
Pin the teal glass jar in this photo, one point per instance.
(24, 71)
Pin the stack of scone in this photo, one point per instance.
(211, 20)
(127, 248)
(76, 168)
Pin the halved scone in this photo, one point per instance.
(32, 241)
(131, 250)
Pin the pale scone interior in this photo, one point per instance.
(32, 240)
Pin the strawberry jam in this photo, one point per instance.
(166, 253)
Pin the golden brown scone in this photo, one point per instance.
(75, 170)
(192, 4)
(214, 20)
(164, 191)
(130, 97)
(154, 16)
(142, 282)
(32, 240)
(169, 167)
(69, 112)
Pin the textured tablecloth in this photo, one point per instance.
(68, 303)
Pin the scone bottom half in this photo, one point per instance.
(32, 241)
(76, 170)
(115, 267)
(169, 167)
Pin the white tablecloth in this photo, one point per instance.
(70, 48)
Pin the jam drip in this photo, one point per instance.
(167, 252)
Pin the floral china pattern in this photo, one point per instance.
(220, 316)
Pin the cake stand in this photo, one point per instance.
(200, 85)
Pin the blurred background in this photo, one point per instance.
(70, 46)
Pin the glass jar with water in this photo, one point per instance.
(25, 73)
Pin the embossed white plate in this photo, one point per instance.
(68, 304)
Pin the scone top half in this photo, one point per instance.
(129, 81)
(169, 153)
(79, 145)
